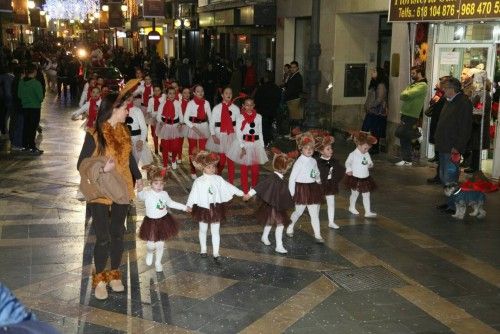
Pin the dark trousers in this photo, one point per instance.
(108, 223)
(267, 129)
(474, 161)
(16, 126)
(31, 121)
(409, 124)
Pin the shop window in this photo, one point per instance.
(466, 32)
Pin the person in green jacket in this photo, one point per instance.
(30, 92)
(412, 102)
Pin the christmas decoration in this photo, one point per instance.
(71, 9)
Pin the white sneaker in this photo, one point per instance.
(158, 267)
(333, 225)
(149, 258)
(354, 211)
(117, 285)
(403, 163)
(265, 241)
(280, 250)
(193, 176)
(370, 215)
(174, 165)
(101, 291)
(289, 233)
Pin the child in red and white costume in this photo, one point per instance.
(138, 132)
(144, 90)
(248, 148)
(178, 94)
(222, 122)
(358, 178)
(90, 108)
(158, 224)
(196, 120)
(207, 200)
(304, 186)
(87, 91)
(185, 98)
(169, 119)
(152, 111)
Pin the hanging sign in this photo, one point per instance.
(35, 17)
(449, 58)
(443, 10)
(20, 9)
(103, 20)
(153, 8)
(115, 15)
(6, 6)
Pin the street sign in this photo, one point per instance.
(443, 10)
(154, 37)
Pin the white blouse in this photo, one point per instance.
(177, 109)
(304, 170)
(157, 203)
(215, 117)
(151, 104)
(138, 123)
(211, 189)
(254, 128)
(192, 111)
(358, 163)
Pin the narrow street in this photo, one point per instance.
(413, 269)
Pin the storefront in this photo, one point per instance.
(448, 37)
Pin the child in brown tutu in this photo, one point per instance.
(207, 199)
(358, 178)
(304, 186)
(331, 173)
(276, 200)
(158, 224)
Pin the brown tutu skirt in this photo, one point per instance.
(268, 215)
(216, 213)
(330, 187)
(158, 229)
(363, 185)
(308, 193)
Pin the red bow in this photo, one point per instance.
(201, 115)
(146, 94)
(248, 118)
(226, 122)
(92, 112)
(168, 110)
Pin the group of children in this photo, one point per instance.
(312, 181)
(232, 136)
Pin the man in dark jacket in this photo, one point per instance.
(453, 130)
(293, 87)
(267, 100)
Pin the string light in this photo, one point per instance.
(71, 9)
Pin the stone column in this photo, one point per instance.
(312, 107)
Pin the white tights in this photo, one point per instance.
(278, 234)
(330, 203)
(313, 210)
(366, 201)
(157, 246)
(202, 234)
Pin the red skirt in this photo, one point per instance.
(268, 215)
(362, 185)
(330, 187)
(308, 193)
(216, 213)
(158, 229)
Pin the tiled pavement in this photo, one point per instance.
(449, 271)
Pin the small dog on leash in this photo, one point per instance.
(464, 198)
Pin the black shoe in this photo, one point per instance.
(450, 211)
(442, 207)
(434, 180)
(204, 255)
(469, 171)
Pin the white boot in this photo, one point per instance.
(202, 235)
(160, 247)
(150, 245)
(265, 235)
(299, 210)
(330, 205)
(352, 202)
(279, 240)
(214, 230)
(366, 205)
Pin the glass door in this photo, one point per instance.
(450, 59)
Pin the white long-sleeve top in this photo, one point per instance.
(138, 123)
(211, 189)
(215, 117)
(247, 130)
(151, 104)
(177, 109)
(158, 203)
(84, 109)
(358, 163)
(304, 170)
(192, 111)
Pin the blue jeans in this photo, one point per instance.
(448, 171)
